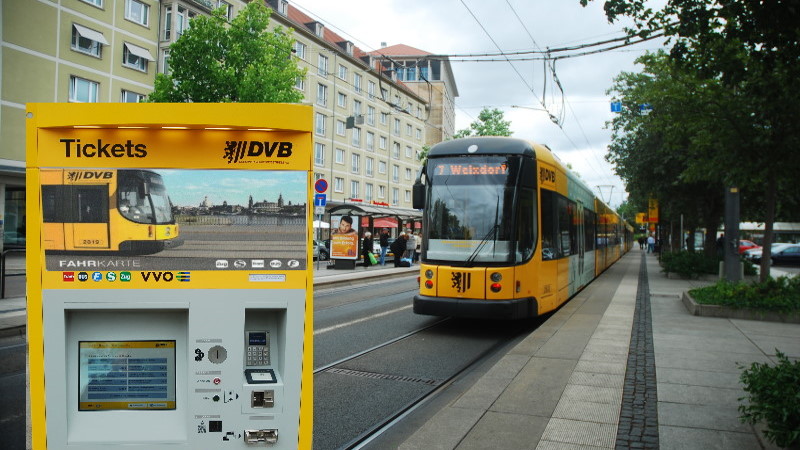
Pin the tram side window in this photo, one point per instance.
(53, 207)
(91, 204)
(589, 220)
(566, 229)
(549, 226)
(526, 224)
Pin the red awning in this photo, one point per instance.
(385, 222)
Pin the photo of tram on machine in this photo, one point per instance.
(508, 231)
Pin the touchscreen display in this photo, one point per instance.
(127, 375)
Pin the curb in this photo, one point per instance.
(366, 276)
(17, 330)
(729, 312)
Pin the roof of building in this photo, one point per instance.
(400, 50)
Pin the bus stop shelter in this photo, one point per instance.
(381, 216)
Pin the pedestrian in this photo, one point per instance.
(721, 246)
(398, 247)
(651, 244)
(366, 248)
(411, 245)
(418, 248)
(384, 241)
(641, 242)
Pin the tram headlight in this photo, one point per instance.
(429, 274)
(496, 277)
(496, 287)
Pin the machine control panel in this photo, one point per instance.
(256, 348)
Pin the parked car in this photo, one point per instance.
(754, 254)
(321, 251)
(746, 245)
(788, 255)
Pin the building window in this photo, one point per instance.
(319, 154)
(408, 196)
(82, 90)
(137, 11)
(382, 143)
(322, 95)
(339, 156)
(368, 192)
(381, 167)
(371, 89)
(227, 8)
(370, 141)
(356, 108)
(354, 189)
(384, 118)
(340, 128)
(319, 124)
(370, 115)
(395, 196)
(338, 184)
(396, 128)
(355, 163)
(381, 191)
(300, 84)
(167, 22)
(341, 100)
(165, 62)
(408, 174)
(135, 57)
(409, 129)
(322, 66)
(356, 137)
(395, 173)
(132, 97)
(98, 3)
(342, 72)
(409, 151)
(87, 41)
(300, 49)
(396, 150)
(357, 82)
(368, 167)
(419, 134)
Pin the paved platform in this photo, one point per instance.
(622, 365)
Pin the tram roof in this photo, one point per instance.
(484, 145)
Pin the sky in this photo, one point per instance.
(191, 187)
(450, 27)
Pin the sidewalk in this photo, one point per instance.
(565, 385)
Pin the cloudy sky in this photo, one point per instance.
(448, 27)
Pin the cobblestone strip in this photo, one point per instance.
(638, 418)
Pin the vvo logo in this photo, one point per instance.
(158, 276)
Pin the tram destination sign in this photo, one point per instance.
(470, 169)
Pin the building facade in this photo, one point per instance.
(370, 125)
(429, 76)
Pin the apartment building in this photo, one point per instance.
(369, 126)
(429, 76)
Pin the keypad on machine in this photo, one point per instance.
(257, 355)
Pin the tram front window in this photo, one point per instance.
(142, 198)
(471, 209)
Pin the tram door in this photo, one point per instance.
(90, 229)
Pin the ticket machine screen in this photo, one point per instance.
(127, 375)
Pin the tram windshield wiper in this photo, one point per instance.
(492, 233)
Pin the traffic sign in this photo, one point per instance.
(320, 199)
(321, 185)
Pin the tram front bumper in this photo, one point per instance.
(520, 308)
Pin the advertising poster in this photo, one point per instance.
(123, 220)
(344, 237)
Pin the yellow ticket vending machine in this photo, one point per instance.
(169, 276)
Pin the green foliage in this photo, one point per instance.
(243, 61)
(689, 264)
(780, 294)
(773, 397)
(491, 122)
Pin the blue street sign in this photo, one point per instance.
(320, 199)
(616, 106)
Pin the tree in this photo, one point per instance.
(491, 122)
(243, 61)
(751, 49)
